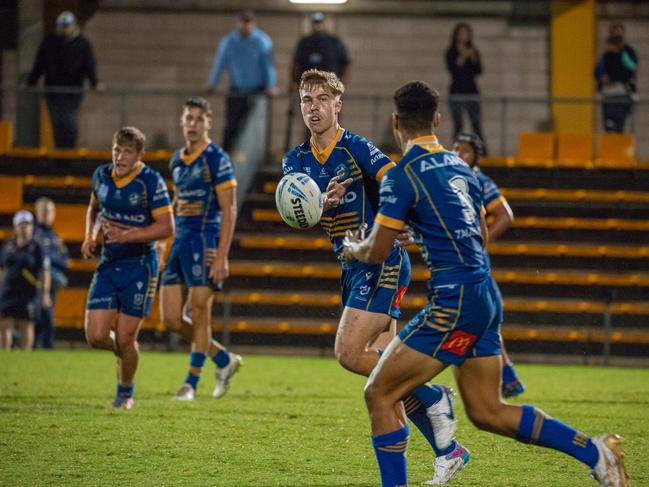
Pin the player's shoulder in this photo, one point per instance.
(299, 151)
(483, 178)
(103, 171)
(214, 152)
(149, 173)
(354, 142)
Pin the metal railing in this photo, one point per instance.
(156, 111)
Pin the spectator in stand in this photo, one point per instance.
(247, 55)
(66, 59)
(53, 248)
(463, 62)
(320, 50)
(24, 268)
(615, 74)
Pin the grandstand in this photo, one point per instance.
(574, 267)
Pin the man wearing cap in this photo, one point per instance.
(24, 268)
(66, 59)
(320, 50)
(247, 55)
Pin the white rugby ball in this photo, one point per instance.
(299, 201)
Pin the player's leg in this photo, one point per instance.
(128, 352)
(26, 329)
(511, 384)
(478, 380)
(6, 332)
(98, 325)
(172, 299)
(400, 370)
(356, 342)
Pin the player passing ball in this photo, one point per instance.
(348, 169)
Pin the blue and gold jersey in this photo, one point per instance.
(197, 177)
(490, 192)
(348, 156)
(436, 193)
(132, 200)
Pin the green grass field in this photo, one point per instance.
(287, 421)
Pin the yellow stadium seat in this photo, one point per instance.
(11, 189)
(535, 148)
(6, 136)
(616, 149)
(575, 150)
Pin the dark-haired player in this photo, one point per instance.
(205, 207)
(469, 147)
(131, 201)
(436, 193)
(348, 169)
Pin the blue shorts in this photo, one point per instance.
(189, 261)
(377, 288)
(127, 285)
(460, 321)
(500, 314)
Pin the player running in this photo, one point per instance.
(436, 193)
(131, 202)
(348, 169)
(469, 148)
(206, 211)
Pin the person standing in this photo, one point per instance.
(130, 203)
(66, 60)
(464, 65)
(500, 217)
(57, 252)
(247, 56)
(205, 207)
(615, 74)
(25, 268)
(320, 50)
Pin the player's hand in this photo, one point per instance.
(88, 248)
(351, 241)
(114, 233)
(405, 238)
(219, 268)
(334, 192)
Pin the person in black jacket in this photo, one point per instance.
(54, 248)
(320, 50)
(615, 73)
(66, 59)
(463, 62)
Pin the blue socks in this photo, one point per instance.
(428, 394)
(390, 450)
(197, 360)
(222, 358)
(538, 428)
(509, 374)
(125, 391)
(416, 413)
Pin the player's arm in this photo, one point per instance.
(46, 300)
(501, 216)
(484, 229)
(372, 250)
(161, 228)
(220, 267)
(89, 245)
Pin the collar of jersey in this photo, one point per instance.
(121, 181)
(323, 155)
(426, 142)
(189, 158)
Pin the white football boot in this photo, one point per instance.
(224, 375)
(441, 417)
(610, 470)
(185, 393)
